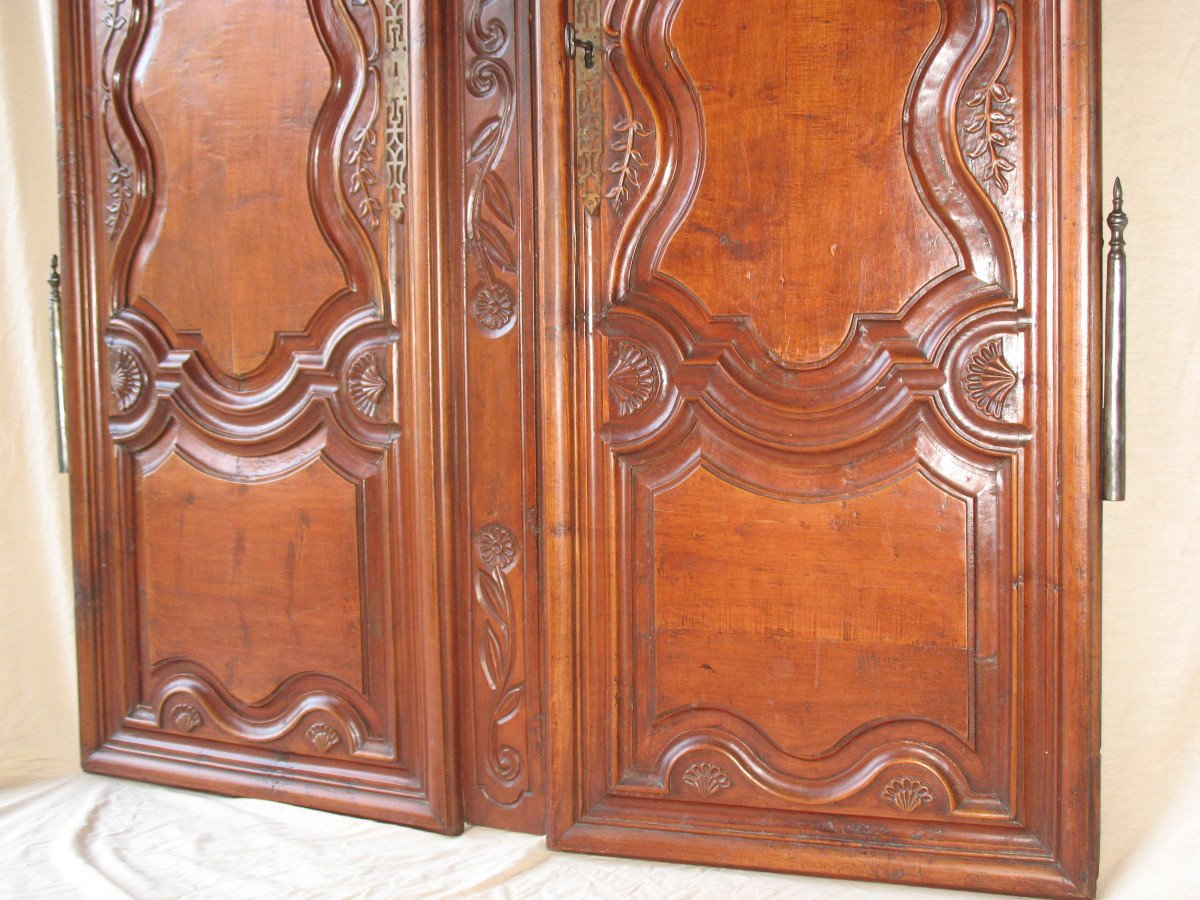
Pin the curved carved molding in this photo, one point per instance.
(491, 213)
(920, 438)
(353, 57)
(633, 377)
(187, 696)
(114, 17)
(221, 413)
(886, 359)
(495, 554)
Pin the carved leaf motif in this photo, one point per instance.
(497, 200)
(706, 778)
(629, 163)
(632, 378)
(126, 378)
(508, 704)
(906, 794)
(990, 379)
(485, 140)
(489, 239)
(322, 736)
(185, 717)
(988, 130)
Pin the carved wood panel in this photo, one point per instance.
(261, 611)
(497, 532)
(822, 445)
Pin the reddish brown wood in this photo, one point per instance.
(830, 463)
(492, 267)
(261, 498)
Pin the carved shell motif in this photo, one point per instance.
(185, 717)
(706, 778)
(906, 794)
(366, 383)
(126, 378)
(322, 736)
(990, 379)
(632, 378)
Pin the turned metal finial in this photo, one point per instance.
(55, 281)
(1117, 220)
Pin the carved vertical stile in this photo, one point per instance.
(498, 477)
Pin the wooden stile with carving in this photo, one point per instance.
(680, 438)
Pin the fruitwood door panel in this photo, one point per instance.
(835, 480)
(259, 497)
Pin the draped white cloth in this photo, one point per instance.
(63, 834)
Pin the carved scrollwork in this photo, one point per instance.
(906, 794)
(496, 553)
(706, 778)
(989, 379)
(633, 379)
(367, 383)
(491, 214)
(988, 129)
(126, 378)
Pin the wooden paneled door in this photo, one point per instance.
(829, 604)
(258, 394)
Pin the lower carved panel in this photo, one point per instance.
(228, 569)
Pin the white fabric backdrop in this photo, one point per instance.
(69, 835)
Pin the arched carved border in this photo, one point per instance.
(354, 61)
(918, 439)
(883, 354)
(307, 700)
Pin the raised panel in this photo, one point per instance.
(228, 570)
(235, 251)
(767, 235)
(829, 615)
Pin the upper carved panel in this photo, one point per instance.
(236, 252)
(808, 215)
